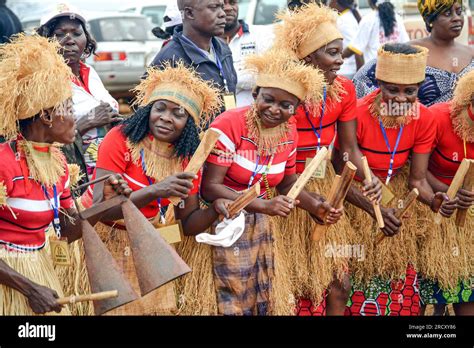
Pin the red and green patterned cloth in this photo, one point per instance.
(380, 297)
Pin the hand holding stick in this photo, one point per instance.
(407, 203)
(456, 184)
(243, 200)
(338, 193)
(204, 149)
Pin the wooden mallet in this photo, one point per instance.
(204, 149)
(407, 203)
(376, 205)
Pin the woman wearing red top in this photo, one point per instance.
(258, 146)
(34, 178)
(94, 108)
(446, 257)
(151, 150)
(310, 32)
(392, 126)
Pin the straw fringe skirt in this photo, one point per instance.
(304, 268)
(75, 279)
(446, 262)
(161, 301)
(389, 259)
(36, 266)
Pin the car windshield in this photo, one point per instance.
(243, 8)
(122, 29)
(266, 10)
(155, 13)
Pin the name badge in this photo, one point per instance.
(173, 233)
(387, 195)
(60, 251)
(229, 101)
(320, 172)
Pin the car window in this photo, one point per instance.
(243, 8)
(266, 10)
(122, 29)
(363, 4)
(155, 13)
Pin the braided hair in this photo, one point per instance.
(137, 127)
(387, 16)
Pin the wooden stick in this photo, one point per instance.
(338, 193)
(90, 297)
(407, 203)
(243, 200)
(468, 185)
(299, 185)
(204, 149)
(376, 205)
(456, 184)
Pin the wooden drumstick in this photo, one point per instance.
(204, 149)
(90, 297)
(299, 185)
(456, 184)
(339, 190)
(468, 185)
(243, 200)
(407, 203)
(376, 205)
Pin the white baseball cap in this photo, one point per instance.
(172, 12)
(63, 10)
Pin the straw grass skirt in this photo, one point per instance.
(36, 266)
(196, 290)
(446, 262)
(386, 282)
(161, 301)
(304, 268)
(74, 278)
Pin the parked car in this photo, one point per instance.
(153, 9)
(260, 12)
(125, 47)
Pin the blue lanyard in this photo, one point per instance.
(323, 107)
(392, 154)
(205, 55)
(56, 221)
(257, 169)
(162, 216)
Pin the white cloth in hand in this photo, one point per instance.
(227, 232)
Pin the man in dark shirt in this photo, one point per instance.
(197, 44)
(9, 23)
